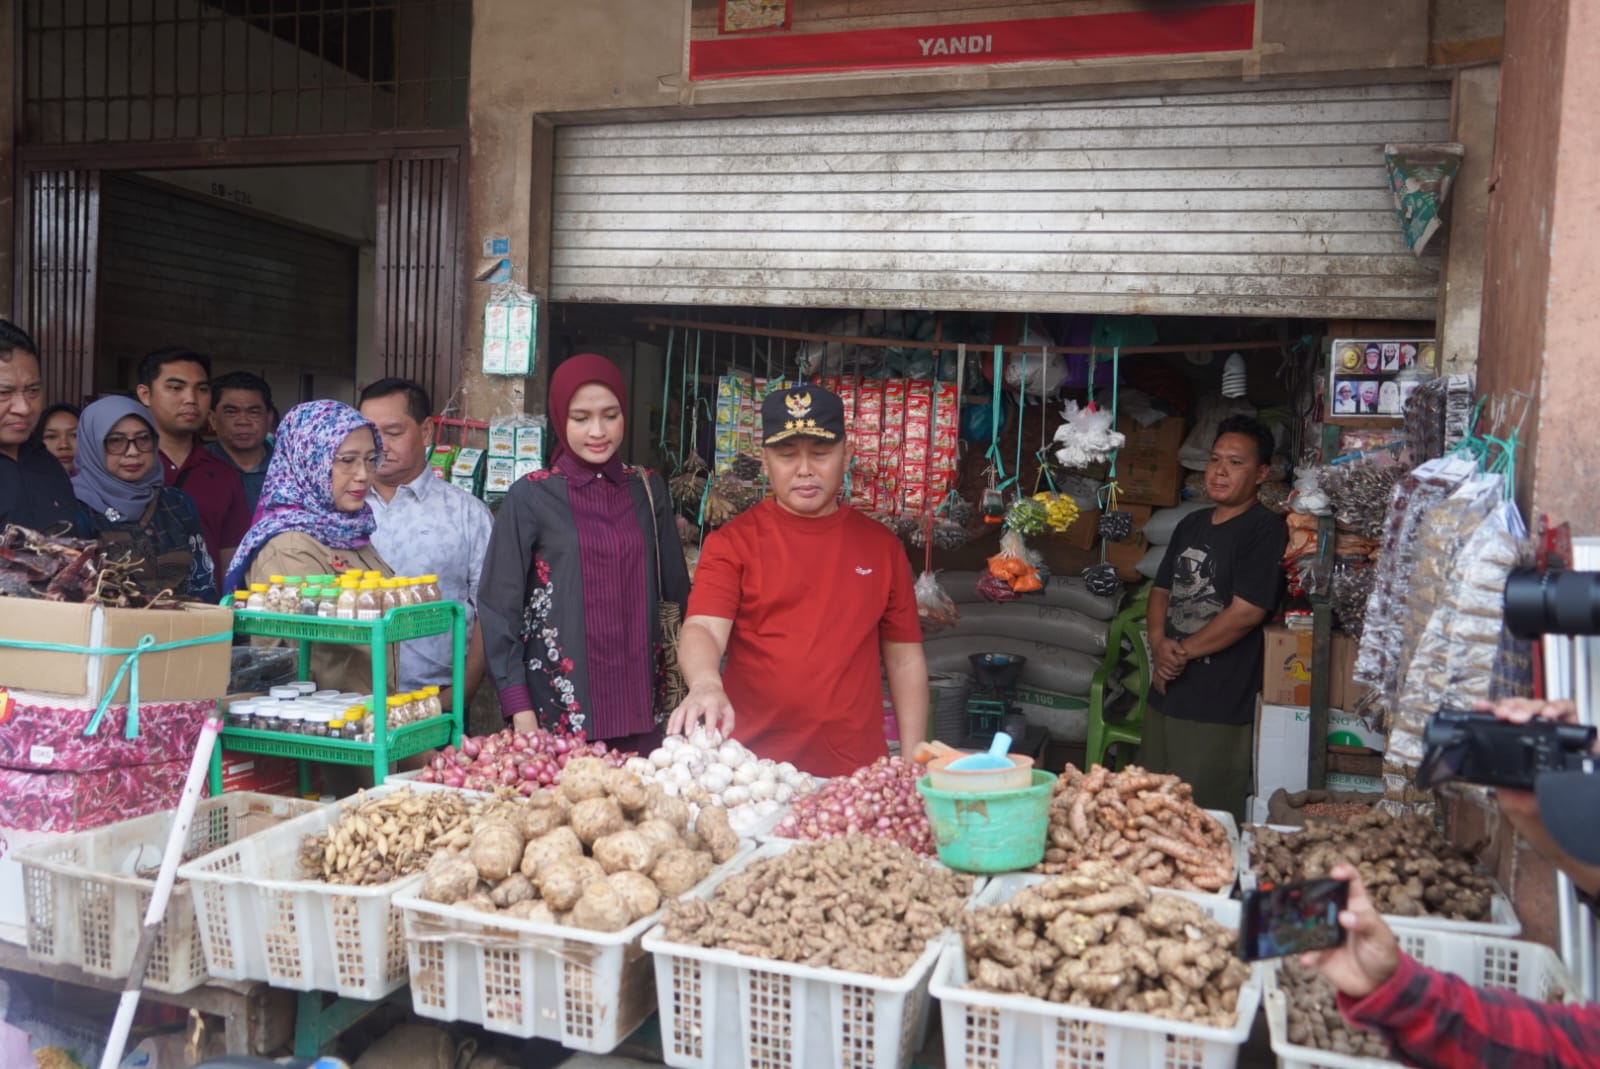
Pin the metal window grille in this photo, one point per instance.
(155, 70)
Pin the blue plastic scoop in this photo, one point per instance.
(992, 761)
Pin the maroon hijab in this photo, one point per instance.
(571, 375)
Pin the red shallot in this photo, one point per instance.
(880, 800)
(508, 759)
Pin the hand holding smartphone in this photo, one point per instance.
(1292, 919)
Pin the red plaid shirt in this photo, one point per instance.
(1431, 1018)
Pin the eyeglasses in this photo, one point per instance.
(117, 444)
(356, 461)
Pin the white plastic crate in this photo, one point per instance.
(1532, 970)
(86, 900)
(722, 1010)
(1503, 921)
(261, 920)
(585, 990)
(985, 1030)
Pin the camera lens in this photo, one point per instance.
(1553, 603)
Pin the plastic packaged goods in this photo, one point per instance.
(1379, 664)
(391, 594)
(289, 594)
(430, 589)
(304, 687)
(327, 603)
(369, 601)
(309, 597)
(241, 599)
(258, 597)
(435, 704)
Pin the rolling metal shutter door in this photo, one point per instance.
(249, 291)
(1271, 203)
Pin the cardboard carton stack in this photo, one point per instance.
(53, 777)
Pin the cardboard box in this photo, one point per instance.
(1341, 781)
(260, 773)
(189, 673)
(1148, 471)
(1282, 745)
(1287, 667)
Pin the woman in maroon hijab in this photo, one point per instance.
(569, 589)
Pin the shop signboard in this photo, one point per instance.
(1138, 31)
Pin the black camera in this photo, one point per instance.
(1552, 603)
(1478, 748)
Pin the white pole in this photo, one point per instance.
(176, 838)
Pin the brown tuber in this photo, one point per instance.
(638, 891)
(583, 780)
(496, 849)
(449, 878)
(718, 835)
(595, 818)
(1099, 938)
(626, 851)
(601, 908)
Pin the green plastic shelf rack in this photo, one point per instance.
(387, 745)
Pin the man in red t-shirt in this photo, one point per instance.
(811, 602)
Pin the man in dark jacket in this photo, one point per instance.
(34, 488)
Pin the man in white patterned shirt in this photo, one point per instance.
(425, 527)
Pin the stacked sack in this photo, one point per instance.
(1158, 531)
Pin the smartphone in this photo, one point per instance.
(1292, 918)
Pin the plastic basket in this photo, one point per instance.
(722, 1010)
(260, 920)
(1503, 921)
(984, 1030)
(585, 990)
(1532, 970)
(86, 902)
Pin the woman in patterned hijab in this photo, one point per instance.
(313, 519)
(317, 483)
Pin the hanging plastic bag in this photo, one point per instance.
(1014, 566)
(1085, 436)
(993, 588)
(934, 607)
(1102, 579)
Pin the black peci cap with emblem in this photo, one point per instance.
(802, 412)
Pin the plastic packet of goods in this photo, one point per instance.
(934, 607)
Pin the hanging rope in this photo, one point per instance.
(994, 455)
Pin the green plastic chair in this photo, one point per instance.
(1127, 624)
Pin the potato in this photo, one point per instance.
(449, 878)
(627, 788)
(674, 811)
(626, 851)
(496, 849)
(638, 891)
(589, 870)
(561, 883)
(679, 870)
(662, 833)
(715, 831)
(535, 822)
(584, 779)
(563, 842)
(601, 908)
(531, 909)
(511, 890)
(481, 902)
(596, 817)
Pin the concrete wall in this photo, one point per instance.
(1540, 316)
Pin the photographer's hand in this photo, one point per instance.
(1521, 807)
(1370, 953)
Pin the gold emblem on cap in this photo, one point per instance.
(798, 404)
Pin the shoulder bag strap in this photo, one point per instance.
(644, 477)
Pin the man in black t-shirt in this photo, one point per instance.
(34, 488)
(1217, 585)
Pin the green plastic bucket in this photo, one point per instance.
(1002, 831)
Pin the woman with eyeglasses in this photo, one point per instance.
(313, 519)
(123, 503)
